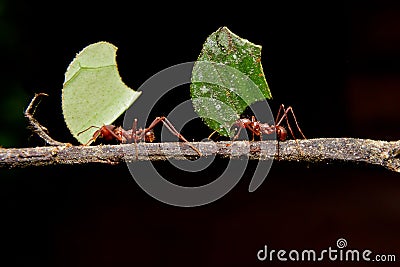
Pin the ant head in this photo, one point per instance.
(149, 136)
(281, 133)
(97, 134)
(105, 132)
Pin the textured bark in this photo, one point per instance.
(323, 150)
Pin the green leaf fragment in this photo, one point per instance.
(226, 78)
(93, 93)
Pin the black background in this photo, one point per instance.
(335, 63)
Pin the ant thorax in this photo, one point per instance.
(130, 136)
(265, 128)
(106, 132)
(126, 136)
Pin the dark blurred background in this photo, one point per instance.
(335, 63)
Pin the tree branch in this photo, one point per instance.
(323, 150)
(36, 126)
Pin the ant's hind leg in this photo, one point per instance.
(172, 129)
(281, 109)
(285, 116)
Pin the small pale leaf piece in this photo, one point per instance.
(226, 78)
(93, 93)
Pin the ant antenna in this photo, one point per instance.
(81, 132)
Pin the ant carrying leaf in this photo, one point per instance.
(134, 135)
(226, 79)
(259, 129)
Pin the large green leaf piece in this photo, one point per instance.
(93, 93)
(226, 78)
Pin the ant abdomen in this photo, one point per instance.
(281, 133)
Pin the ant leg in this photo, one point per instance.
(281, 109)
(237, 134)
(172, 129)
(209, 137)
(93, 139)
(277, 149)
(153, 124)
(240, 129)
(285, 116)
(253, 119)
(254, 132)
(134, 137)
(133, 133)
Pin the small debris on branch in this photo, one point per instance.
(36, 127)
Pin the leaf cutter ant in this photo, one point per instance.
(112, 132)
(259, 129)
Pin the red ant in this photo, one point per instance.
(258, 128)
(112, 132)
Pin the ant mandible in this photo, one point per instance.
(112, 132)
(259, 129)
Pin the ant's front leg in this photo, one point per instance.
(94, 138)
(253, 122)
(237, 134)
